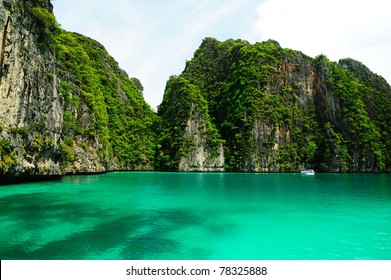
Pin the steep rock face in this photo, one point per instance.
(279, 110)
(199, 156)
(107, 123)
(372, 94)
(189, 141)
(65, 105)
(31, 111)
(290, 91)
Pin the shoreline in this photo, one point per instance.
(25, 179)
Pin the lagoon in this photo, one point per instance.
(198, 216)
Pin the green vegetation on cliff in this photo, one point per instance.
(253, 107)
(280, 110)
(357, 135)
(183, 102)
(7, 156)
(245, 90)
(103, 103)
(84, 115)
(375, 93)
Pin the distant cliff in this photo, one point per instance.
(65, 105)
(278, 110)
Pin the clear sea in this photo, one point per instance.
(198, 216)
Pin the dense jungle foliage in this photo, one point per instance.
(182, 102)
(102, 102)
(283, 93)
(272, 108)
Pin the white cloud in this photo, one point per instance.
(358, 29)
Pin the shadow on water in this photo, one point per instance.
(195, 216)
(49, 223)
(139, 236)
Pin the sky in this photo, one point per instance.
(153, 39)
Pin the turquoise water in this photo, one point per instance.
(198, 216)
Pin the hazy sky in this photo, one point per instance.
(152, 39)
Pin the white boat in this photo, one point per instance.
(308, 171)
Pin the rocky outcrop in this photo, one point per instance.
(65, 105)
(278, 110)
(188, 139)
(31, 106)
(200, 156)
(107, 124)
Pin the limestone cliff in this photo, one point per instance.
(107, 123)
(199, 156)
(189, 140)
(31, 106)
(65, 105)
(278, 110)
